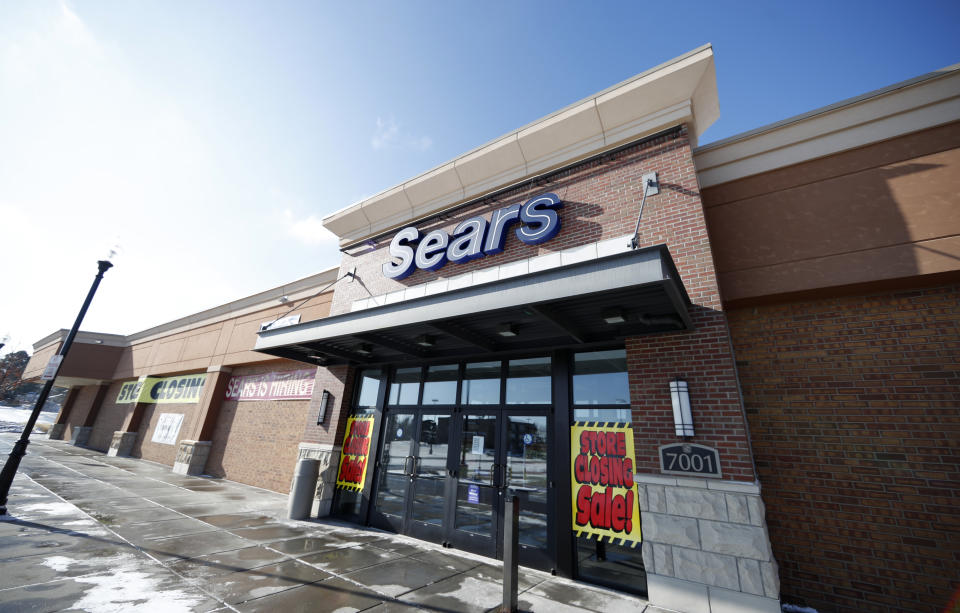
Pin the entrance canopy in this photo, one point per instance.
(628, 294)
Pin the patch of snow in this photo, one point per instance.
(474, 592)
(81, 522)
(16, 415)
(126, 590)
(58, 563)
(792, 608)
(49, 507)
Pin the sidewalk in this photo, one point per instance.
(89, 532)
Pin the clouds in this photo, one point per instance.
(308, 230)
(388, 135)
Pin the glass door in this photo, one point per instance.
(503, 453)
(525, 453)
(394, 468)
(429, 476)
(477, 506)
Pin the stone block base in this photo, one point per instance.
(192, 457)
(81, 436)
(55, 433)
(706, 546)
(329, 457)
(122, 443)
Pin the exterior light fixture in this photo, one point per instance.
(365, 349)
(324, 403)
(682, 417)
(614, 316)
(507, 329)
(425, 340)
(284, 299)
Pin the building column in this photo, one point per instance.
(123, 439)
(81, 433)
(193, 452)
(60, 425)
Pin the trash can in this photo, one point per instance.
(302, 489)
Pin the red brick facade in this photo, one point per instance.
(109, 419)
(255, 441)
(854, 408)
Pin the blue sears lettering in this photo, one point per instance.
(499, 222)
(473, 238)
(432, 252)
(540, 221)
(468, 242)
(404, 268)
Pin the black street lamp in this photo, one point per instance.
(20, 447)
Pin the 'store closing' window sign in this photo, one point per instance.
(473, 238)
(354, 453)
(604, 493)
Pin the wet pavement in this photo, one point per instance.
(89, 532)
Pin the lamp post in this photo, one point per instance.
(20, 447)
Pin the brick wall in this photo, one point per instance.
(80, 409)
(109, 419)
(854, 410)
(255, 441)
(145, 448)
(339, 381)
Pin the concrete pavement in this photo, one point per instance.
(90, 532)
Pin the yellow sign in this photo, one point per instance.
(184, 389)
(355, 452)
(604, 494)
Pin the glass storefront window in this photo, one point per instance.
(441, 384)
(529, 381)
(481, 383)
(405, 387)
(369, 388)
(600, 377)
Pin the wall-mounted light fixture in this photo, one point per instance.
(682, 417)
(283, 299)
(324, 403)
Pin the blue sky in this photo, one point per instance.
(209, 138)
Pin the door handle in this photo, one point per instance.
(406, 466)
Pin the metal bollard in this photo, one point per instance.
(511, 551)
(302, 489)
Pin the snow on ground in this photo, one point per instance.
(12, 419)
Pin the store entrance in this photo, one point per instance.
(444, 476)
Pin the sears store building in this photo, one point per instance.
(712, 375)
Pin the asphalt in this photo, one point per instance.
(89, 532)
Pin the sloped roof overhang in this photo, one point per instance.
(565, 306)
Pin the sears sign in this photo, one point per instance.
(473, 238)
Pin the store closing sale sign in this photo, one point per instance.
(355, 452)
(604, 494)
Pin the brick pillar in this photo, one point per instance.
(194, 451)
(60, 425)
(81, 433)
(126, 436)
